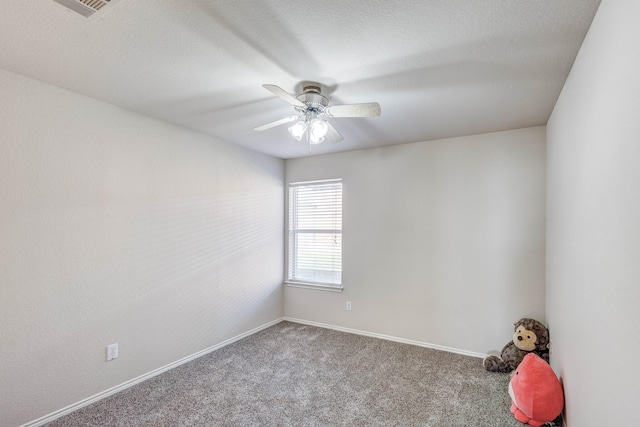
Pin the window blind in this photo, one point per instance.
(315, 232)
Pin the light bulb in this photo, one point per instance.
(297, 130)
(317, 130)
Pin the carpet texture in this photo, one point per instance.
(299, 375)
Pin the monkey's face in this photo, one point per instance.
(524, 339)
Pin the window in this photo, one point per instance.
(315, 234)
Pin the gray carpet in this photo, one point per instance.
(298, 375)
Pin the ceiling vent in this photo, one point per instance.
(85, 8)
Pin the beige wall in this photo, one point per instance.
(443, 240)
(120, 228)
(593, 233)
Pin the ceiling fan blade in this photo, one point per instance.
(277, 90)
(333, 135)
(369, 109)
(276, 123)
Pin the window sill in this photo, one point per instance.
(315, 286)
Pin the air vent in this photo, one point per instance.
(85, 8)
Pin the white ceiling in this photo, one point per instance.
(438, 68)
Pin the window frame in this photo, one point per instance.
(290, 232)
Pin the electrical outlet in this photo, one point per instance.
(348, 305)
(112, 352)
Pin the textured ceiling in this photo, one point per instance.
(438, 68)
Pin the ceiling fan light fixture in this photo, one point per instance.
(309, 105)
(318, 128)
(298, 129)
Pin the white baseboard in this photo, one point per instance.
(89, 400)
(386, 337)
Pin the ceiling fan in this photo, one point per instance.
(313, 110)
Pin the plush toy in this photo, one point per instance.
(536, 394)
(529, 336)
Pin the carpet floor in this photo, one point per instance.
(298, 375)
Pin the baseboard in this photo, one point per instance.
(386, 337)
(89, 400)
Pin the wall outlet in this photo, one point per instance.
(112, 351)
(348, 305)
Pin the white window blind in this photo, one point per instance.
(315, 233)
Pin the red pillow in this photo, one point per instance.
(535, 392)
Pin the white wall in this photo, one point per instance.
(593, 230)
(443, 241)
(119, 228)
